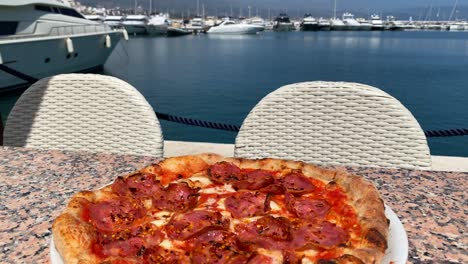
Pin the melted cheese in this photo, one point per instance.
(276, 255)
(197, 181)
(274, 206)
(161, 218)
(226, 188)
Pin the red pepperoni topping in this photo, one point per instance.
(114, 215)
(275, 188)
(322, 235)
(254, 180)
(128, 242)
(177, 197)
(246, 204)
(224, 172)
(306, 207)
(159, 255)
(267, 232)
(218, 246)
(188, 225)
(137, 186)
(297, 183)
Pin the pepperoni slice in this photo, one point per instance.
(307, 208)
(254, 180)
(218, 246)
(177, 197)
(188, 225)
(224, 172)
(246, 204)
(129, 242)
(137, 186)
(158, 255)
(267, 232)
(297, 183)
(322, 235)
(114, 215)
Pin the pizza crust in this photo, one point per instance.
(73, 237)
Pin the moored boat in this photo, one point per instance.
(309, 23)
(283, 23)
(230, 27)
(48, 37)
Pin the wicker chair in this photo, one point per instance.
(84, 112)
(334, 123)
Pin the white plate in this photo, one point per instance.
(397, 251)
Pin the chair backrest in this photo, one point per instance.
(335, 123)
(84, 112)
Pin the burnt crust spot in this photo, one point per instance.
(374, 237)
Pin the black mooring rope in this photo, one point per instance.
(234, 128)
(199, 123)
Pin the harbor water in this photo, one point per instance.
(221, 78)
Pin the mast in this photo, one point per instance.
(135, 8)
(151, 6)
(249, 12)
(334, 10)
(453, 10)
(198, 7)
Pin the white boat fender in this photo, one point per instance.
(1, 59)
(108, 42)
(69, 43)
(125, 34)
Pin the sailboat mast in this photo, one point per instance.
(334, 10)
(151, 7)
(453, 10)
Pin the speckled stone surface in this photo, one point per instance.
(37, 184)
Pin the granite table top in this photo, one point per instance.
(37, 184)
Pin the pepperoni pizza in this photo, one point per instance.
(210, 209)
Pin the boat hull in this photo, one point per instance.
(40, 58)
(236, 30)
(135, 29)
(310, 27)
(284, 27)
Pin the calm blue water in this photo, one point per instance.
(221, 78)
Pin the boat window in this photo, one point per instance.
(70, 12)
(56, 10)
(43, 8)
(8, 27)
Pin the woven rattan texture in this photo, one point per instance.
(84, 112)
(334, 123)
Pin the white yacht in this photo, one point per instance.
(40, 38)
(158, 24)
(377, 23)
(324, 24)
(136, 24)
(230, 27)
(113, 21)
(353, 24)
(309, 23)
(337, 24)
(256, 21)
(197, 24)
